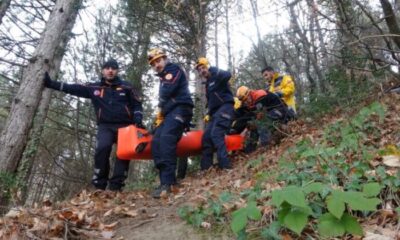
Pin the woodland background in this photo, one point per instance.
(337, 51)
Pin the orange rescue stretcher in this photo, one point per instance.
(135, 143)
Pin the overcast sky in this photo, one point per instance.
(242, 27)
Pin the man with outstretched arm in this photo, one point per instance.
(117, 104)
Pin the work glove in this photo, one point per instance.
(49, 83)
(47, 80)
(159, 119)
(206, 118)
(237, 103)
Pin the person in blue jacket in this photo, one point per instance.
(220, 113)
(175, 113)
(117, 104)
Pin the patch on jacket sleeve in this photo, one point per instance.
(169, 76)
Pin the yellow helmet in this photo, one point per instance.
(154, 54)
(242, 93)
(201, 61)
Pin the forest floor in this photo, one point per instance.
(135, 215)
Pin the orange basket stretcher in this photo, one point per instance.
(135, 143)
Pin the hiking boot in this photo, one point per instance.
(161, 190)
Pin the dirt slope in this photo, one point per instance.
(135, 215)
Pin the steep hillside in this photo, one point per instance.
(335, 177)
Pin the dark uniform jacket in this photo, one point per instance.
(115, 103)
(259, 99)
(218, 91)
(174, 88)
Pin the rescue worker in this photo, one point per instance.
(219, 115)
(243, 118)
(117, 104)
(283, 86)
(269, 110)
(175, 113)
(242, 115)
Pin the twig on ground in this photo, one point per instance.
(141, 223)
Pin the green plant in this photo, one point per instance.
(294, 208)
(241, 216)
(212, 210)
(193, 216)
(329, 185)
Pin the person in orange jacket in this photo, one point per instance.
(268, 109)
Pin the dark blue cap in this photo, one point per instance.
(112, 63)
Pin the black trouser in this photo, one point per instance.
(165, 140)
(214, 138)
(106, 137)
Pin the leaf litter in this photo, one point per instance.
(98, 214)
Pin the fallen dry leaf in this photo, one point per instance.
(39, 225)
(391, 172)
(286, 236)
(248, 184)
(174, 189)
(228, 206)
(164, 195)
(57, 228)
(179, 195)
(108, 213)
(391, 160)
(65, 215)
(374, 236)
(110, 226)
(206, 225)
(14, 213)
(82, 216)
(237, 183)
(131, 213)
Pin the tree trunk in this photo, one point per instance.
(29, 155)
(3, 8)
(310, 57)
(228, 37)
(391, 21)
(324, 52)
(14, 136)
(216, 41)
(200, 98)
